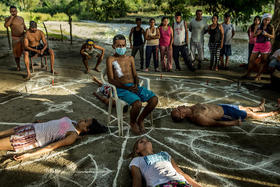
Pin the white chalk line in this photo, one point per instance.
(90, 140)
(120, 161)
(250, 166)
(231, 176)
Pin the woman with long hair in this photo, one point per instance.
(264, 33)
(158, 169)
(165, 44)
(251, 34)
(216, 41)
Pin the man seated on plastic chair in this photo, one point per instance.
(121, 72)
(33, 47)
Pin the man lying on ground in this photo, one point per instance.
(33, 46)
(221, 114)
(16, 23)
(121, 72)
(49, 135)
(90, 49)
(103, 93)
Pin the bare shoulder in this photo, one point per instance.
(110, 59)
(7, 18)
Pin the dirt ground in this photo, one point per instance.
(246, 155)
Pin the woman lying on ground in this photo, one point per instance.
(52, 134)
(158, 169)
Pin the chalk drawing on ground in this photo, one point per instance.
(55, 107)
(82, 173)
(184, 91)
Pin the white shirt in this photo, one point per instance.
(276, 53)
(156, 169)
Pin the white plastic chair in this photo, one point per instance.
(145, 82)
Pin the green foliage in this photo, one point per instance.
(177, 6)
(241, 10)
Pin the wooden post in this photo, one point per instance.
(276, 23)
(46, 31)
(70, 23)
(61, 33)
(9, 39)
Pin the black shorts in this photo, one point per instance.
(38, 47)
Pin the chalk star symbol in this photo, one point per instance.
(54, 107)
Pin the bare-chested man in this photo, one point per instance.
(33, 47)
(220, 115)
(121, 72)
(16, 23)
(90, 49)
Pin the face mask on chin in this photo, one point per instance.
(121, 50)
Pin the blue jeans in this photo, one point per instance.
(185, 54)
(149, 51)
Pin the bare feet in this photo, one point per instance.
(55, 73)
(135, 129)
(141, 127)
(96, 69)
(257, 78)
(261, 106)
(94, 79)
(18, 69)
(28, 77)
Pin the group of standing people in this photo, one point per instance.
(260, 34)
(171, 41)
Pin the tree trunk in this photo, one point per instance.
(70, 23)
(276, 23)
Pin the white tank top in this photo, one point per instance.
(52, 131)
(179, 33)
(153, 41)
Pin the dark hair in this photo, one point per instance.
(95, 128)
(13, 7)
(215, 15)
(269, 28)
(178, 14)
(175, 117)
(163, 18)
(138, 19)
(152, 20)
(226, 15)
(118, 37)
(133, 154)
(199, 10)
(252, 27)
(32, 24)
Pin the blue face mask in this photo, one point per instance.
(121, 50)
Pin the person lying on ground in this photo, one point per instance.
(48, 135)
(275, 61)
(121, 72)
(103, 93)
(33, 46)
(89, 50)
(158, 169)
(221, 114)
(18, 28)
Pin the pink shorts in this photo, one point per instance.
(264, 48)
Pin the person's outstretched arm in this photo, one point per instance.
(102, 49)
(187, 177)
(136, 176)
(70, 139)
